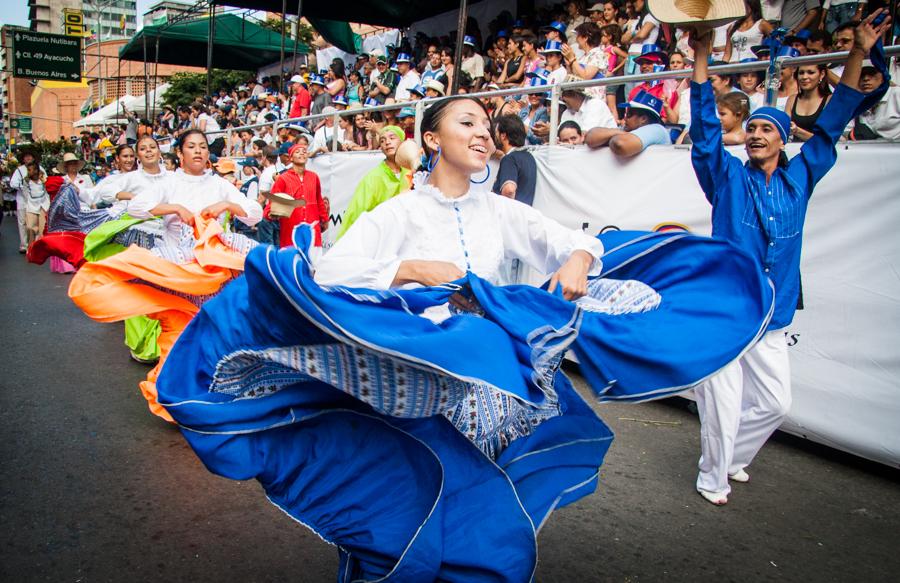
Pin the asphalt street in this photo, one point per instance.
(94, 488)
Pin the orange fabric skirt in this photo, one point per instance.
(135, 283)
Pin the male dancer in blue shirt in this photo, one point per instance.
(760, 206)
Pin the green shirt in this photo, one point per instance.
(379, 185)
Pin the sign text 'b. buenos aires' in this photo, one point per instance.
(38, 55)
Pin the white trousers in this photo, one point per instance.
(740, 407)
(20, 219)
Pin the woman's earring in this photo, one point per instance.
(485, 178)
(433, 160)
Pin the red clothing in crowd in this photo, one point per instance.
(309, 189)
(300, 103)
(665, 91)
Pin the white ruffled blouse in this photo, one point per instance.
(477, 232)
(195, 193)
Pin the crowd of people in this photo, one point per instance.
(367, 369)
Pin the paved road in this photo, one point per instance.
(94, 488)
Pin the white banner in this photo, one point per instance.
(844, 345)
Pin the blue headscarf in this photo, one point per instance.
(775, 116)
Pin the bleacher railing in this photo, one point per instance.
(772, 76)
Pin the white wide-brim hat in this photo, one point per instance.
(709, 13)
(69, 157)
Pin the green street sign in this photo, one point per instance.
(23, 124)
(38, 55)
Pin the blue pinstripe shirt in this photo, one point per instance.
(766, 219)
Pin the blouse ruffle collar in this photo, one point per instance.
(422, 186)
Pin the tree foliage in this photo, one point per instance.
(185, 88)
(306, 32)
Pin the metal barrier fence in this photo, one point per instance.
(773, 75)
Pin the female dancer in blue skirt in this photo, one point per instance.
(413, 413)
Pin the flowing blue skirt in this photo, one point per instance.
(432, 450)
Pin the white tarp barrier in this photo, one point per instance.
(845, 344)
(378, 41)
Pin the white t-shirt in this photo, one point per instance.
(557, 75)
(267, 178)
(771, 9)
(407, 82)
(212, 130)
(594, 113)
(322, 138)
(635, 48)
(884, 118)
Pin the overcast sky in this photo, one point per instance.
(16, 11)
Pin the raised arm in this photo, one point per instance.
(708, 154)
(818, 154)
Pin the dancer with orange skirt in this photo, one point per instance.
(192, 262)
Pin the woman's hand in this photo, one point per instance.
(186, 216)
(427, 273)
(214, 210)
(572, 276)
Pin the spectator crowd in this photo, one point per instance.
(562, 43)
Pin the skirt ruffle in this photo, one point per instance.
(137, 282)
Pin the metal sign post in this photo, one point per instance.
(38, 55)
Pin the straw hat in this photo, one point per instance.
(710, 13)
(69, 157)
(282, 205)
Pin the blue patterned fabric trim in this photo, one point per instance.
(487, 417)
(183, 251)
(617, 296)
(492, 420)
(197, 300)
(146, 235)
(387, 385)
(65, 213)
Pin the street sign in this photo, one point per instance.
(73, 22)
(38, 55)
(23, 124)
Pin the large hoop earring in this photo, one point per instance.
(433, 160)
(485, 178)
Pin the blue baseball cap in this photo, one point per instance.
(776, 117)
(316, 80)
(394, 68)
(646, 102)
(404, 58)
(469, 40)
(284, 148)
(501, 34)
(371, 102)
(251, 162)
(519, 24)
(406, 112)
(339, 100)
(418, 90)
